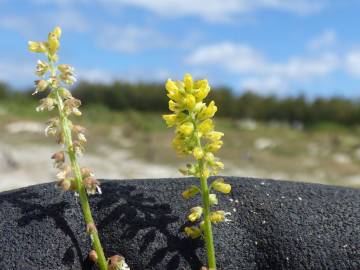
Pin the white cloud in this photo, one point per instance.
(219, 10)
(352, 63)
(99, 75)
(324, 40)
(241, 59)
(130, 39)
(265, 85)
(31, 25)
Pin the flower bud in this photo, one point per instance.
(171, 86)
(190, 192)
(206, 126)
(221, 186)
(214, 146)
(82, 137)
(41, 68)
(192, 232)
(217, 216)
(53, 43)
(198, 153)
(41, 85)
(187, 128)
(91, 228)
(37, 47)
(202, 91)
(189, 101)
(91, 185)
(196, 213)
(208, 111)
(170, 119)
(188, 81)
(213, 199)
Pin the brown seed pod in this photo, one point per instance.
(59, 157)
(115, 261)
(93, 256)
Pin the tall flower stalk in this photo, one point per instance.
(71, 177)
(195, 136)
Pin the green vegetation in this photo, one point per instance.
(120, 96)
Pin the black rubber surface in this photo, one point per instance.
(275, 225)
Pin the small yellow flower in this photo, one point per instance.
(57, 32)
(171, 86)
(208, 111)
(190, 192)
(192, 232)
(202, 91)
(214, 146)
(196, 213)
(206, 126)
(170, 119)
(214, 135)
(189, 101)
(173, 106)
(221, 186)
(217, 216)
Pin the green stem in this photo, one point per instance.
(207, 223)
(84, 202)
(209, 240)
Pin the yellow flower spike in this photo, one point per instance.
(171, 86)
(217, 216)
(208, 111)
(198, 153)
(37, 47)
(190, 192)
(196, 213)
(189, 101)
(195, 136)
(192, 232)
(188, 81)
(221, 186)
(187, 128)
(170, 119)
(206, 126)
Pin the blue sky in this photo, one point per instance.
(283, 47)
